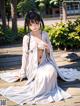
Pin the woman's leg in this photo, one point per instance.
(45, 80)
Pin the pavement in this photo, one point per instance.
(47, 21)
(10, 59)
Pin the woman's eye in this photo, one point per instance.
(37, 22)
(30, 24)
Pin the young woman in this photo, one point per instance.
(39, 66)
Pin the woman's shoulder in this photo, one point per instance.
(45, 34)
(26, 37)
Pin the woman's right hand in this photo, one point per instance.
(20, 76)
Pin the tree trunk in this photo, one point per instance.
(14, 15)
(64, 11)
(3, 14)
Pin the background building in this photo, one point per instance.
(72, 8)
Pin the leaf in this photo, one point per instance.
(53, 2)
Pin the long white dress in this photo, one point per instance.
(41, 86)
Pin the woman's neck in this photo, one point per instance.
(36, 33)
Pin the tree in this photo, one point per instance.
(64, 11)
(41, 5)
(26, 5)
(3, 13)
(8, 10)
(14, 15)
(63, 4)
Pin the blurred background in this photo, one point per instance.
(65, 14)
(62, 22)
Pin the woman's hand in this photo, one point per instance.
(40, 42)
(47, 48)
(19, 76)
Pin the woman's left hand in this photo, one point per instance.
(39, 41)
(47, 47)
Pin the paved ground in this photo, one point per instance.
(47, 21)
(10, 58)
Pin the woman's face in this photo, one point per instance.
(34, 26)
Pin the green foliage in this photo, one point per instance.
(77, 29)
(1, 35)
(53, 1)
(39, 5)
(65, 35)
(9, 37)
(21, 33)
(26, 5)
(61, 35)
(77, 21)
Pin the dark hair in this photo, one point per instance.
(32, 16)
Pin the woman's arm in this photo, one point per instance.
(49, 43)
(51, 52)
(22, 73)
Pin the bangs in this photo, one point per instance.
(32, 18)
(33, 21)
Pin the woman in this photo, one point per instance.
(39, 66)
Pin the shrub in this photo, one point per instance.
(61, 35)
(9, 37)
(65, 35)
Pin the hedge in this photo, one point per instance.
(63, 36)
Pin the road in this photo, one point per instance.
(47, 21)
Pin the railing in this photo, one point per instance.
(73, 11)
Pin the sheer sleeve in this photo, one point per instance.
(24, 57)
(49, 45)
(51, 52)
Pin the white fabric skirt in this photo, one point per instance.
(43, 89)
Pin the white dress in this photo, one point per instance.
(41, 86)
